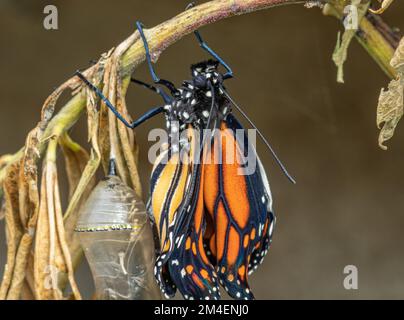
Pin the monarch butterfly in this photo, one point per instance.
(214, 225)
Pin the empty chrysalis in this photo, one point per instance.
(117, 240)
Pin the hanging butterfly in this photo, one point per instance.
(214, 220)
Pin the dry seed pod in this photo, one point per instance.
(117, 239)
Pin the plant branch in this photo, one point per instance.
(374, 36)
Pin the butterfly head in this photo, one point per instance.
(205, 74)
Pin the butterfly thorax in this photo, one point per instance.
(194, 102)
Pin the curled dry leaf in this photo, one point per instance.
(120, 141)
(384, 6)
(52, 258)
(28, 210)
(398, 59)
(45, 270)
(19, 273)
(4, 162)
(33, 216)
(29, 197)
(391, 102)
(340, 54)
(126, 136)
(114, 145)
(95, 157)
(76, 159)
(14, 229)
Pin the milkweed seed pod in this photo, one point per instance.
(398, 59)
(117, 239)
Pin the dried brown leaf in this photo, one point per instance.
(391, 102)
(122, 139)
(61, 234)
(340, 54)
(76, 159)
(26, 292)
(384, 6)
(398, 59)
(18, 279)
(5, 162)
(14, 229)
(390, 110)
(45, 270)
(110, 79)
(127, 139)
(92, 164)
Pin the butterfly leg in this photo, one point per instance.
(229, 74)
(156, 79)
(149, 114)
(167, 99)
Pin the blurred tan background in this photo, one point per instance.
(347, 207)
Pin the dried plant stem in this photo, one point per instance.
(376, 37)
(28, 211)
(371, 36)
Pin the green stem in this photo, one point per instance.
(376, 37)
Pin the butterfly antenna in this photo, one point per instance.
(277, 160)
